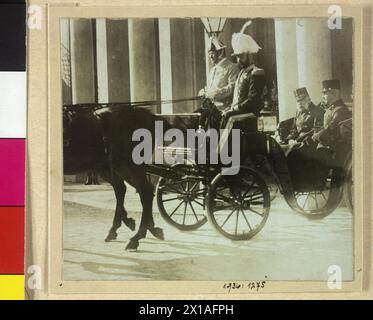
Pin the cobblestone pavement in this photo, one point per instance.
(290, 247)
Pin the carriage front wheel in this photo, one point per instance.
(181, 202)
(238, 205)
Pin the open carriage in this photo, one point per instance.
(238, 205)
(188, 194)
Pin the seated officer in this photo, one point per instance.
(318, 150)
(307, 117)
(221, 77)
(336, 112)
(249, 87)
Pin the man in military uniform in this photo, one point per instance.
(312, 160)
(307, 117)
(329, 135)
(222, 75)
(248, 89)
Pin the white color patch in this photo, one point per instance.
(13, 105)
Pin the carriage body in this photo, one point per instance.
(266, 164)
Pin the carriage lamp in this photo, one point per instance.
(213, 26)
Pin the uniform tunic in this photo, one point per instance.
(221, 80)
(248, 93)
(329, 135)
(305, 121)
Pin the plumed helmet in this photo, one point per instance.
(242, 43)
(214, 44)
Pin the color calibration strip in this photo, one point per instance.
(12, 148)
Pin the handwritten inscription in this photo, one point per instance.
(232, 287)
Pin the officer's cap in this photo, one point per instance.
(331, 84)
(301, 93)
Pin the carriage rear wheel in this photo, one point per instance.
(238, 205)
(181, 202)
(321, 201)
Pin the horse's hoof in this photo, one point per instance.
(157, 232)
(130, 223)
(132, 245)
(111, 236)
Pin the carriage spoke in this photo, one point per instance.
(257, 212)
(185, 208)
(178, 206)
(305, 201)
(252, 198)
(236, 227)
(221, 197)
(247, 221)
(228, 218)
(202, 205)
(317, 203)
(166, 200)
(194, 213)
(322, 193)
(172, 189)
(196, 183)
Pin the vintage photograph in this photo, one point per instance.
(205, 149)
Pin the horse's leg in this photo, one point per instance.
(136, 176)
(120, 212)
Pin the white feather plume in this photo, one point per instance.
(248, 23)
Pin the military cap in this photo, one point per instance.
(214, 44)
(331, 84)
(301, 93)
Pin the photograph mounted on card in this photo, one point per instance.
(204, 150)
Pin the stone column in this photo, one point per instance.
(188, 62)
(165, 64)
(118, 68)
(102, 61)
(287, 66)
(144, 59)
(314, 54)
(82, 61)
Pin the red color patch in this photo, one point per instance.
(12, 172)
(12, 240)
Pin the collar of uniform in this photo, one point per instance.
(338, 103)
(310, 107)
(250, 67)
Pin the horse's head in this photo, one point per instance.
(82, 140)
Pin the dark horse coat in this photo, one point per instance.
(100, 138)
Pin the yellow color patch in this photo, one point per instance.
(12, 287)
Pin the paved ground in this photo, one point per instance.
(290, 247)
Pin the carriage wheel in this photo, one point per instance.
(181, 202)
(319, 203)
(349, 185)
(238, 205)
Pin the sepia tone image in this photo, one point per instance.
(265, 189)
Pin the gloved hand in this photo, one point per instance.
(211, 94)
(202, 92)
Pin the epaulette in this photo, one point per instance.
(258, 71)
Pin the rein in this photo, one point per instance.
(99, 106)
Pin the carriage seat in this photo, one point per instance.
(246, 122)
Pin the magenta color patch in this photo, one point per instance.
(12, 172)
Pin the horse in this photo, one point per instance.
(99, 138)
